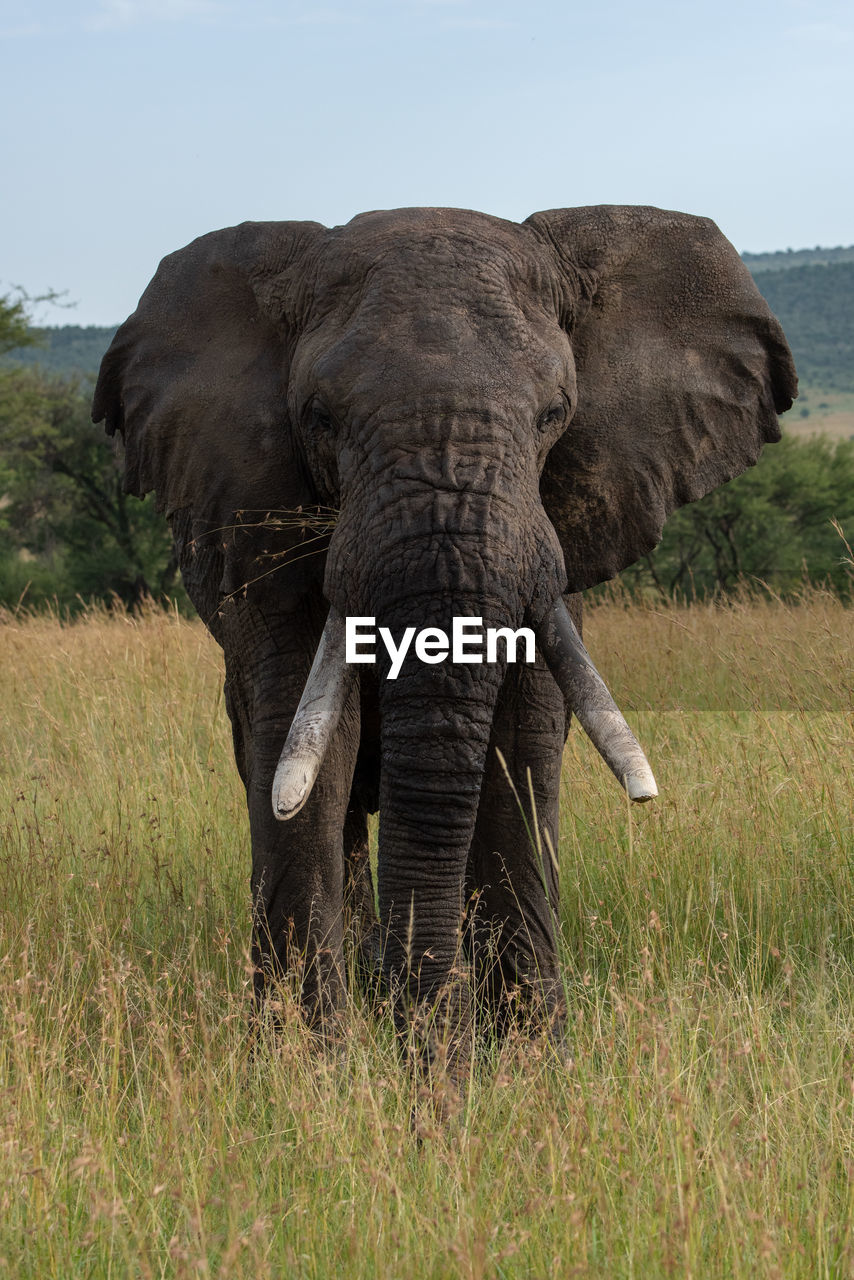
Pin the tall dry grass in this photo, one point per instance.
(706, 1125)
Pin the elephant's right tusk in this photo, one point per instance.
(587, 695)
(317, 717)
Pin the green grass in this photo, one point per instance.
(706, 1124)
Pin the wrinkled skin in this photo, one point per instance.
(501, 413)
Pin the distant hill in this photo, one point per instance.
(784, 259)
(68, 348)
(815, 305)
(811, 291)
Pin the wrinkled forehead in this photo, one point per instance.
(444, 301)
(395, 259)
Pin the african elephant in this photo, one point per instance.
(423, 415)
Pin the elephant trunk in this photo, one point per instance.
(436, 722)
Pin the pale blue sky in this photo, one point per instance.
(131, 126)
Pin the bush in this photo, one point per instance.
(70, 533)
(773, 524)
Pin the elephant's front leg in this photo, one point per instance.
(298, 867)
(512, 875)
(298, 884)
(361, 926)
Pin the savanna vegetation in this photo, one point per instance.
(778, 524)
(704, 1124)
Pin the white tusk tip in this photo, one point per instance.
(289, 799)
(641, 789)
(285, 811)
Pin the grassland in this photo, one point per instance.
(706, 1124)
(829, 413)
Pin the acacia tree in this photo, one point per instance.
(15, 329)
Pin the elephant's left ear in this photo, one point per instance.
(196, 383)
(682, 370)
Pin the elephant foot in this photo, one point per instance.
(526, 1049)
(516, 993)
(531, 1011)
(436, 1036)
(302, 997)
(363, 951)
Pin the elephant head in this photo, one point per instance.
(500, 414)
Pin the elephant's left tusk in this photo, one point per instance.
(588, 696)
(317, 717)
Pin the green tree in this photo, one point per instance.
(73, 529)
(774, 524)
(15, 328)
(66, 528)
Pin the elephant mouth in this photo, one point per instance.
(331, 681)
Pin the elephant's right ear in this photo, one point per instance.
(682, 370)
(195, 380)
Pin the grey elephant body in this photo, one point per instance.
(499, 414)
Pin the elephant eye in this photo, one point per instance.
(320, 419)
(553, 416)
